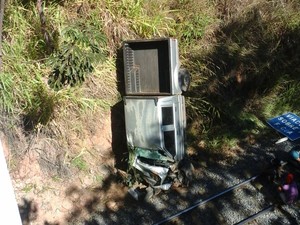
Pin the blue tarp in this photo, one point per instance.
(287, 124)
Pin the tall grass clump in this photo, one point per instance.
(284, 35)
(6, 92)
(248, 68)
(47, 115)
(194, 21)
(18, 68)
(79, 48)
(251, 55)
(143, 19)
(283, 99)
(23, 69)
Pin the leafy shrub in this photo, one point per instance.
(81, 46)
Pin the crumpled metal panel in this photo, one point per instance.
(147, 170)
(154, 164)
(154, 154)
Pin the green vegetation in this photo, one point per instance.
(243, 56)
(29, 187)
(80, 47)
(80, 163)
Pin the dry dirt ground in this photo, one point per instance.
(44, 198)
(87, 194)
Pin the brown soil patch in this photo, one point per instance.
(46, 198)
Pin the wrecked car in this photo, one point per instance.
(155, 116)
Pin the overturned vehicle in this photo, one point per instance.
(154, 106)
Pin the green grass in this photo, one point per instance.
(144, 17)
(243, 58)
(80, 163)
(29, 187)
(6, 92)
(26, 73)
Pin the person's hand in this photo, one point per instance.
(279, 189)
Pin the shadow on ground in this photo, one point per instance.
(109, 202)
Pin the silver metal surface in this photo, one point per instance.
(145, 126)
(151, 67)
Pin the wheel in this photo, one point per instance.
(184, 79)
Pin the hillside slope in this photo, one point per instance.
(62, 119)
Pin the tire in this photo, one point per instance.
(184, 79)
